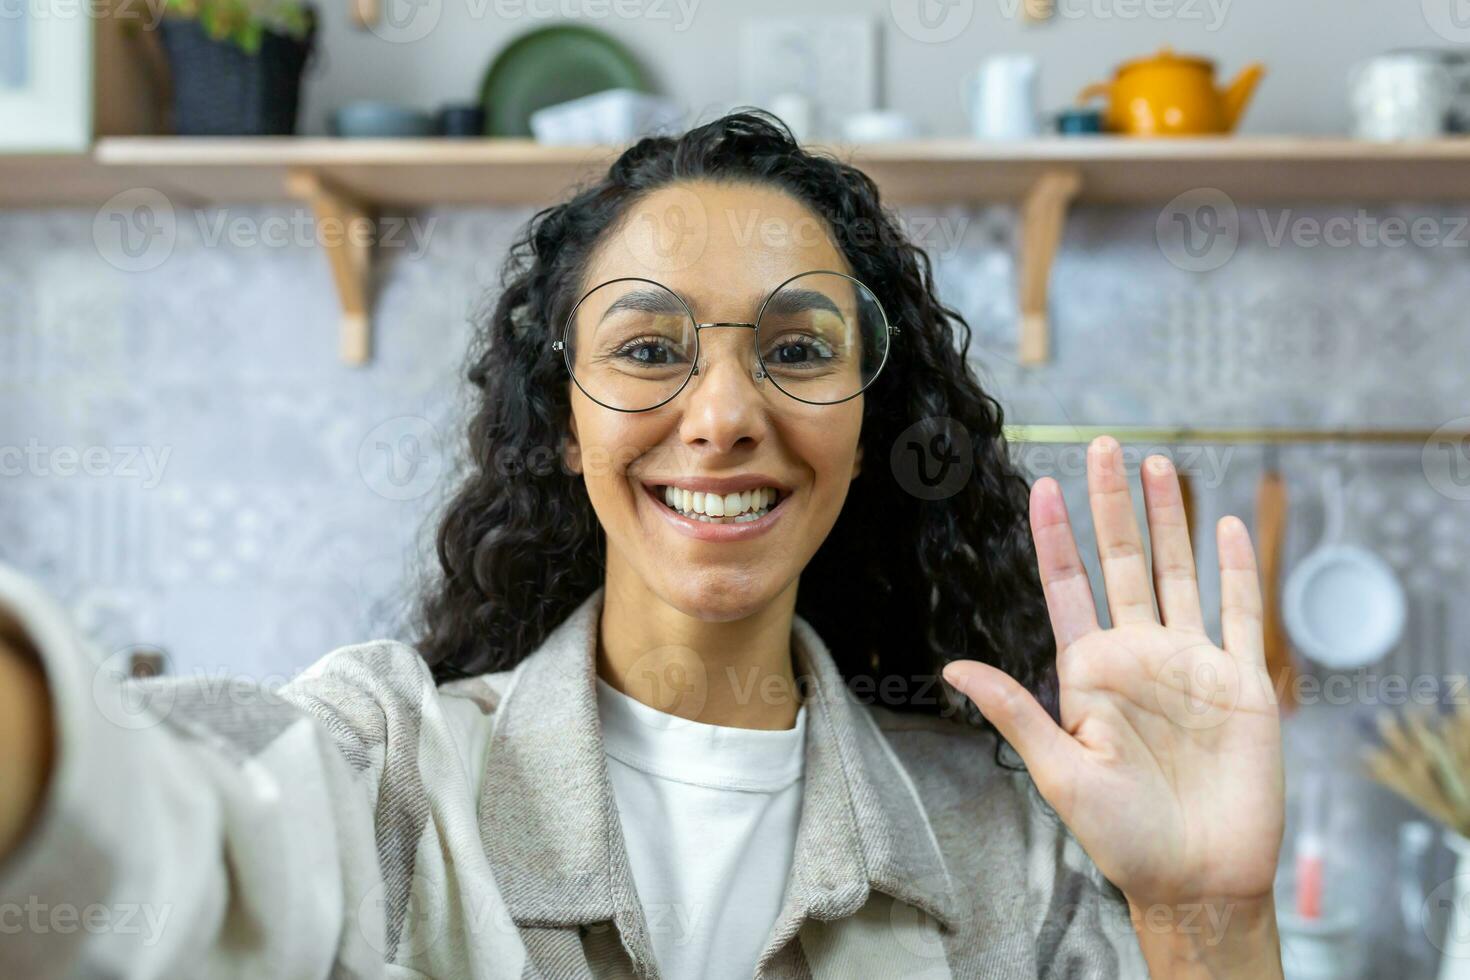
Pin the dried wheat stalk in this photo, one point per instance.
(1426, 760)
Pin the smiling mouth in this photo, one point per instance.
(715, 508)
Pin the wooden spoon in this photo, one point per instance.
(1270, 537)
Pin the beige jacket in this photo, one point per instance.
(362, 822)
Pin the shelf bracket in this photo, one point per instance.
(1043, 218)
(347, 229)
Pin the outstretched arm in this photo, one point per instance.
(25, 732)
(208, 826)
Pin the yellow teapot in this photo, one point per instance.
(1173, 95)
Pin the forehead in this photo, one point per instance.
(721, 246)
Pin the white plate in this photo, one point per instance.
(1344, 607)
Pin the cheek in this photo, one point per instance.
(609, 442)
(829, 446)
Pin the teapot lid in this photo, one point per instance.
(1166, 56)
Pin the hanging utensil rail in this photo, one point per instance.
(1066, 434)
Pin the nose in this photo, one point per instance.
(726, 408)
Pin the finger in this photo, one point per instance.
(1240, 591)
(1049, 752)
(1119, 545)
(1168, 535)
(1064, 580)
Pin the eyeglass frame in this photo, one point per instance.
(560, 344)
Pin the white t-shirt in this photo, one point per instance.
(709, 815)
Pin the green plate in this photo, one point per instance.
(552, 65)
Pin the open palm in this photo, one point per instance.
(1167, 762)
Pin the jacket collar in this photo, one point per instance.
(550, 825)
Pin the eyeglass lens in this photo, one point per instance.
(631, 344)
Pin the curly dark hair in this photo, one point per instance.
(934, 580)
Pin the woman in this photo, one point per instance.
(676, 708)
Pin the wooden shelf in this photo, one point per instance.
(391, 173)
(356, 178)
(417, 173)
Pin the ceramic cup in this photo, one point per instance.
(1002, 98)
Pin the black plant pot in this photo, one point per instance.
(220, 90)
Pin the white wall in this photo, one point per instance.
(693, 47)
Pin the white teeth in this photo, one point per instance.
(740, 507)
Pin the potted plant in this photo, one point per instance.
(236, 64)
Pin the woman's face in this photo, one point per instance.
(722, 248)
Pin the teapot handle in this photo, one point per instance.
(1094, 90)
(1104, 89)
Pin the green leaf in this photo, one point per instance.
(245, 22)
(249, 37)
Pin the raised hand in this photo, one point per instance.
(1167, 763)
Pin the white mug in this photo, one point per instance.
(1401, 96)
(1002, 99)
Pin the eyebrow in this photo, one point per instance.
(647, 300)
(787, 301)
(793, 300)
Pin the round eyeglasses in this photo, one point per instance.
(632, 344)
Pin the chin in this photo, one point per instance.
(721, 595)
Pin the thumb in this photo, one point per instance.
(1048, 751)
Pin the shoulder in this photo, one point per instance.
(370, 694)
(393, 675)
(361, 696)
